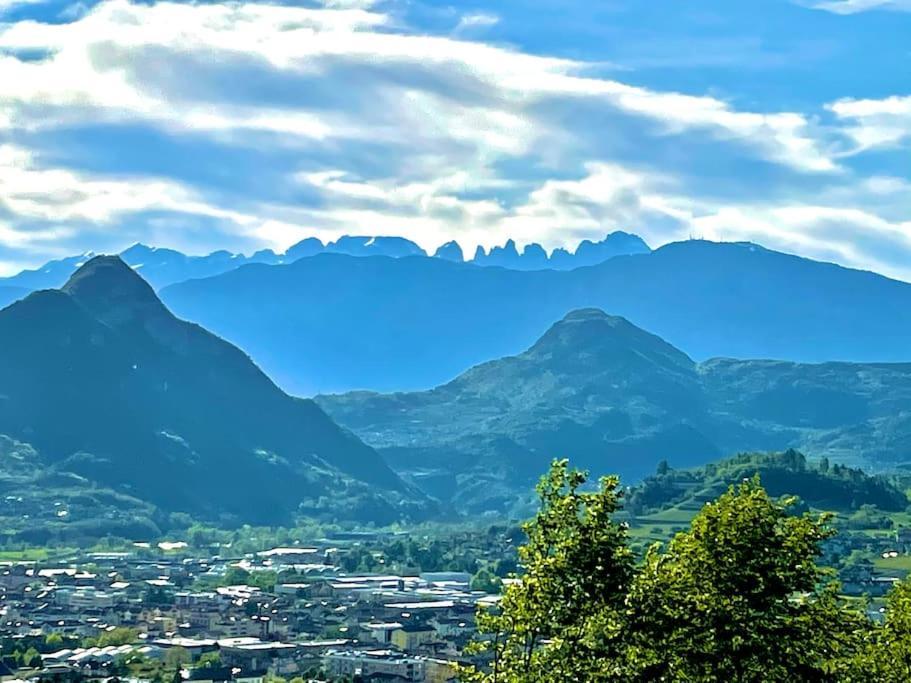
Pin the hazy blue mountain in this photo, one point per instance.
(310, 246)
(105, 383)
(534, 257)
(162, 267)
(451, 251)
(616, 399)
(590, 253)
(395, 247)
(159, 267)
(335, 323)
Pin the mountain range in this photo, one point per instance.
(534, 257)
(161, 267)
(332, 322)
(113, 406)
(616, 399)
(101, 385)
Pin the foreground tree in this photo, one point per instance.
(562, 621)
(739, 597)
(886, 657)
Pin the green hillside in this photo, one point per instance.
(615, 399)
(103, 388)
(819, 484)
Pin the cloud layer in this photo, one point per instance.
(243, 125)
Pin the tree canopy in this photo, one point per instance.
(738, 597)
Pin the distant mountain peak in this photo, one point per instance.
(583, 314)
(451, 251)
(112, 291)
(590, 332)
(137, 248)
(588, 253)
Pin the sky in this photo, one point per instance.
(244, 125)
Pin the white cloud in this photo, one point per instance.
(32, 192)
(479, 94)
(608, 197)
(876, 123)
(88, 71)
(25, 239)
(461, 139)
(348, 4)
(857, 6)
(476, 20)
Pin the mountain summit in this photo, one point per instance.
(617, 399)
(589, 338)
(594, 387)
(103, 381)
(113, 292)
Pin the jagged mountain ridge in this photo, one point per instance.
(534, 257)
(162, 267)
(104, 382)
(334, 323)
(616, 399)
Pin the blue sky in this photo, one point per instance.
(246, 125)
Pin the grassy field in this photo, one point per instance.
(33, 554)
(900, 565)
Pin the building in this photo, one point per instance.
(366, 663)
(411, 636)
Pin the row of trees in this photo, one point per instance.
(737, 597)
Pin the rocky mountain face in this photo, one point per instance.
(616, 399)
(534, 257)
(103, 382)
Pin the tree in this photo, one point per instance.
(236, 576)
(176, 658)
(886, 657)
(209, 660)
(31, 658)
(118, 636)
(486, 581)
(561, 622)
(739, 597)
